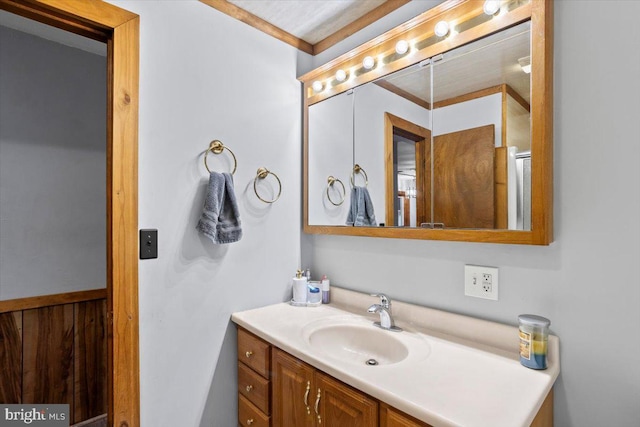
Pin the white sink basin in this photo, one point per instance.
(357, 340)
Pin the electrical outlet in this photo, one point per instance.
(481, 282)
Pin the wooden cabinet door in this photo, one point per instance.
(292, 393)
(391, 417)
(343, 406)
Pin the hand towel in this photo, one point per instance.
(220, 220)
(361, 210)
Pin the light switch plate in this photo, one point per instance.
(148, 244)
(481, 282)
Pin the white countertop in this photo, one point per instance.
(467, 374)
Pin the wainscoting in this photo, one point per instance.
(54, 350)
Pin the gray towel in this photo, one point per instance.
(361, 211)
(220, 220)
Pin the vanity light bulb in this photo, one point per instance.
(341, 75)
(402, 47)
(368, 62)
(442, 28)
(317, 86)
(491, 7)
(525, 64)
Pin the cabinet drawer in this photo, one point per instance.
(254, 387)
(254, 352)
(249, 415)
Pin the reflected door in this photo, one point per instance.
(463, 178)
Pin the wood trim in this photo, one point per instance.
(422, 137)
(420, 28)
(260, 24)
(383, 42)
(470, 96)
(519, 99)
(49, 300)
(503, 103)
(120, 29)
(122, 187)
(403, 93)
(542, 122)
(266, 27)
(372, 16)
(501, 212)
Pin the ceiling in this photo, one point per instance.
(310, 25)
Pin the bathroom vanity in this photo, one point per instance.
(301, 366)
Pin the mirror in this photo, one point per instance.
(447, 144)
(330, 159)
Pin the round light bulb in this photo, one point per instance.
(341, 75)
(491, 7)
(442, 28)
(402, 47)
(317, 86)
(368, 62)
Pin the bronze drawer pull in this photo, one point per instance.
(248, 354)
(306, 397)
(317, 403)
(249, 388)
(250, 421)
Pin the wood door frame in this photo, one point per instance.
(422, 137)
(120, 30)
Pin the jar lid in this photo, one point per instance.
(533, 320)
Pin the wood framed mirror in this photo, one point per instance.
(474, 183)
(119, 29)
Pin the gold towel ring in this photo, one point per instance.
(262, 174)
(216, 147)
(358, 169)
(332, 180)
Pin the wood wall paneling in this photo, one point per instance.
(11, 357)
(47, 375)
(56, 354)
(90, 360)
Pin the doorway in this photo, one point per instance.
(119, 29)
(407, 156)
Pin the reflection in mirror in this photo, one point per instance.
(481, 123)
(483, 95)
(477, 118)
(330, 159)
(380, 113)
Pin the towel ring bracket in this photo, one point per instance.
(330, 181)
(262, 174)
(217, 147)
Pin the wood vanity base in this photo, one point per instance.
(276, 389)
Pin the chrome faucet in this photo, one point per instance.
(384, 309)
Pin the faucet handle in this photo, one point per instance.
(384, 300)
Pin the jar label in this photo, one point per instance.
(525, 345)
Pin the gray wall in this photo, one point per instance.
(205, 76)
(587, 281)
(52, 167)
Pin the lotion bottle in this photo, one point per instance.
(326, 290)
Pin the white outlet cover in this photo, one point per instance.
(473, 282)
